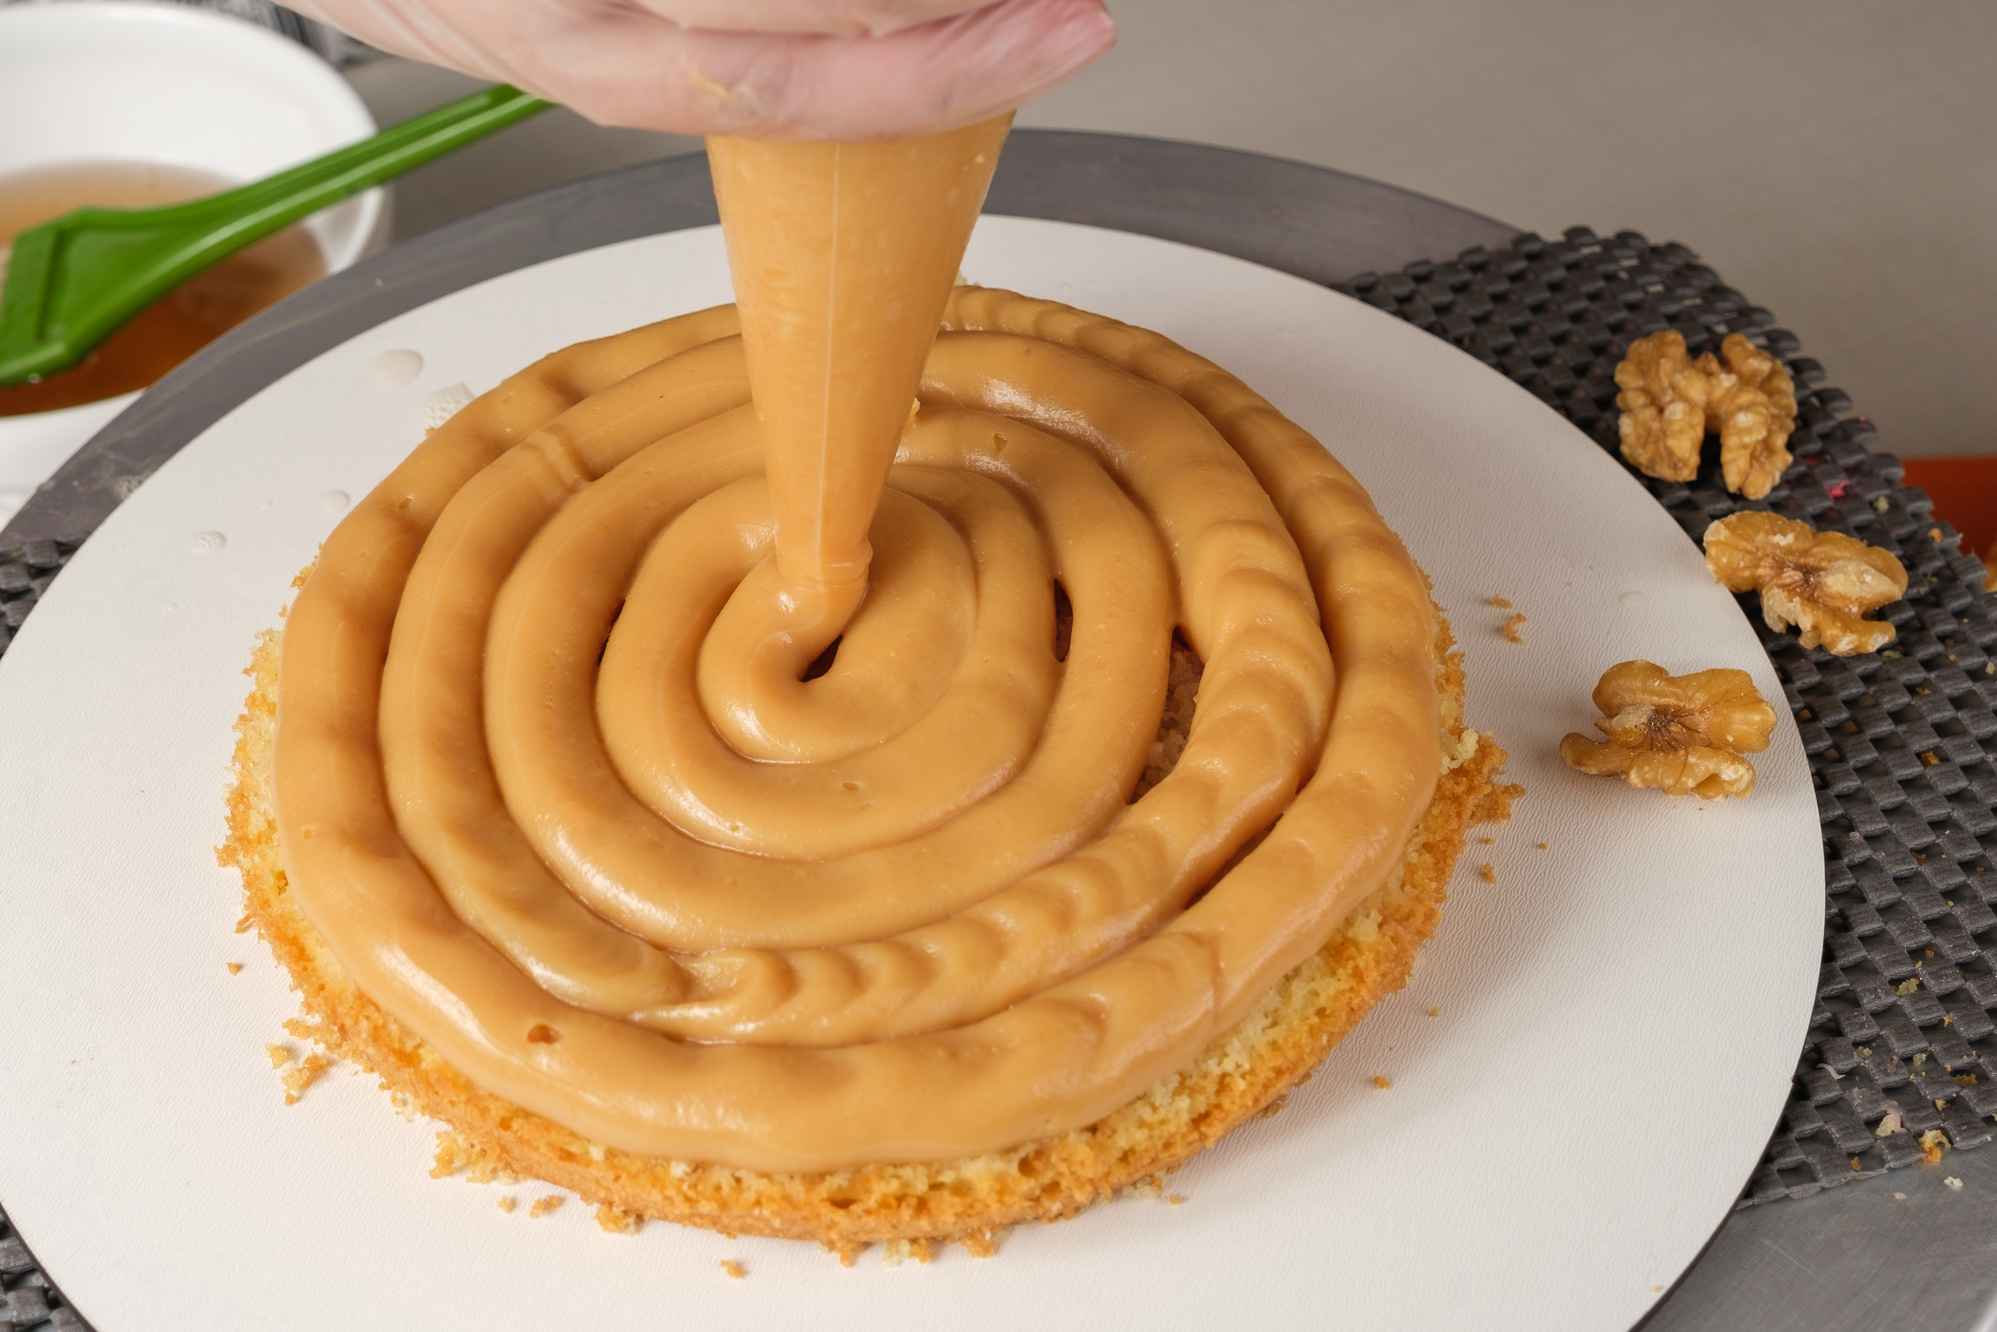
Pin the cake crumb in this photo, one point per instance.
(1501, 603)
(1496, 804)
(455, 1153)
(849, 1253)
(1150, 1187)
(451, 1155)
(1889, 1125)
(1853, 1163)
(733, 1270)
(1487, 841)
(1908, 986)
(1435, 1010)
(1486, 873)
(1176, 1199)
(235, 968)
(546, 1204)
(1932, 1143)
(280, 1055)
(507, 1202)
(243, 925)
(618, 1222)
(978, 1243)
(1382, 1083)
(1542, 846)
(1899, 1197)
(302, 1075)
(1511, 628)
(900, 1251)
(1953, 1183)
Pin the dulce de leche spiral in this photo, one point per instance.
(552, 787)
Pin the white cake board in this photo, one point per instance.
(1618, 1014)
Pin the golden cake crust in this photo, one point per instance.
(1245, 1070)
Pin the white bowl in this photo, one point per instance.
(180, 87)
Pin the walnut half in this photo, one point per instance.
(1821, 582)
(1669, 401)
(1682, 734)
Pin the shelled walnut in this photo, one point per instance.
(1682, 734)
(1821, 582)
(1669, 401)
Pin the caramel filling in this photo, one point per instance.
(552, 785)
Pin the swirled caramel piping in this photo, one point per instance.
(988, 987)
(551, 787)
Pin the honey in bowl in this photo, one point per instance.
(179, 323)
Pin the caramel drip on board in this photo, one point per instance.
(902, 911)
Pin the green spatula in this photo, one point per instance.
(70, 283)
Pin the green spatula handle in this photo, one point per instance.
(267, 206)
(101, 282)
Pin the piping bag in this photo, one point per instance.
(843, 256)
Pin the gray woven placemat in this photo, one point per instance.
(1900, 742)
(30, 1301)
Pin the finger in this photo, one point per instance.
(459, 33)
(621, 65)
(828, 17)
(636, 70)
(428, 32)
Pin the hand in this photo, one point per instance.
(794, 69)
